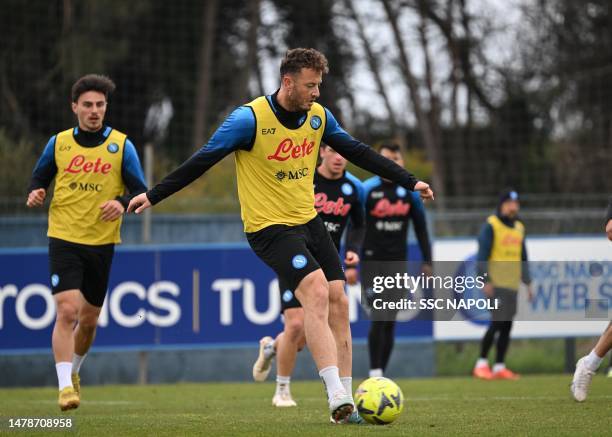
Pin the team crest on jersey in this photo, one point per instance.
(299, 261)
(401, 191)
(315, 122)
(112, 148)
(54, 280)
(287, 296)
(347, 189)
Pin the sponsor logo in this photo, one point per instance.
(64, 148)
(84, 186)
(326, 206)
(401, 192)
(511, 240)
(347, 189)
(287, 296)
(300, 173)
(384, 208)
(315, 122)
(54, 280)
(79, 164)
(280, 175)
(377, 194)
(268, 131)
(288, 150)
(332, 228)
(112, 148)
(299, 262)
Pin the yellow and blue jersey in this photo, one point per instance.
(86, 176)
(276, 152)
(501, 246)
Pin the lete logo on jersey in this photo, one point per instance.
(288, 150)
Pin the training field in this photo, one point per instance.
(535, 405)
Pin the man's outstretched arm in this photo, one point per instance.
(365, 157)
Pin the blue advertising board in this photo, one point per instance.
(165, 296)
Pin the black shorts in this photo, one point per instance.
(295, 251)
(82, 267)
(506, 305)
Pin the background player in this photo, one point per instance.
(389, 208)
(587, 365)
(92, 164)
(276, 142)
(502, 255)
(337, 199)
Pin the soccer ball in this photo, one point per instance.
(379, 400)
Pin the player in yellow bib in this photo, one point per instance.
(276, 142)
(502, 256)
(92, 165)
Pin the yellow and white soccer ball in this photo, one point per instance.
(379, 400)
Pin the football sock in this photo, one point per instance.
(593, 361)
(347, 383)
(77, 360)
(481, 362)
(282, 384)
(64, 369)
(497, 367)
(374, 373)
(331, 379)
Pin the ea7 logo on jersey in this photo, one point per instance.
(268, 131)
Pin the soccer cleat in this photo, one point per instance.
(262, 366)
(68, 399)
(341, 407)
(76, 383)
(283, 400)
(482, 372)
(506, 374)
(581, 381)
(354, 419)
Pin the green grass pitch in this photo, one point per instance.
(534, 405)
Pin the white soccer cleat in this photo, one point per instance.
(283, 400)
(341, 407)
(261, 368)
(582, 380)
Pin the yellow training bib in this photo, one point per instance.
(86, 178)
(506, 253)
(275, 178)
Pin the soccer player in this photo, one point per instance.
(92, 165)
(276, 141)
(389, 209)
(337, 199)
(587, 365)
(502, 249)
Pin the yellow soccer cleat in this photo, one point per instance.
(68, 399)
(76, 383)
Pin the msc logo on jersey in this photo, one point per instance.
(299, 262)
(300, 173)
(315, 122)
(287, 296)
(112, 148)
(347, 189)
(85, 186)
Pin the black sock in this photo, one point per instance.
(503, 341)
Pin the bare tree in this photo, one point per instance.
(373, 63)
(200, 115)
(425, 126)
